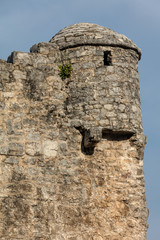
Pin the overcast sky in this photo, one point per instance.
(26, 22)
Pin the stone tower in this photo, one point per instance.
(71, 150)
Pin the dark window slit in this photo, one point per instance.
(107, 58)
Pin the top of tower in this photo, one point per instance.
(91, 34)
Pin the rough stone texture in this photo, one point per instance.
(91, 34)
(72, 151)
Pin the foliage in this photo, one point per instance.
(65, 70)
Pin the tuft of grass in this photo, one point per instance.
(65, 70)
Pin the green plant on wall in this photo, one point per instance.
(65, 70)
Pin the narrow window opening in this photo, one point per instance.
(116, 135)
(107, 58)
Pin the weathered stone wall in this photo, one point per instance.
(72, 151)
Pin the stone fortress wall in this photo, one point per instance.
(72, 151)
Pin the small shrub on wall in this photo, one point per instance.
(65, 70)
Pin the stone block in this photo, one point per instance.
(15, 149)
(33, 148)
(50, 148)
(19, 74)
(12, 160)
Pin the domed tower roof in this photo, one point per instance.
(91, 34)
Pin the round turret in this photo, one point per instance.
(104, 86)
